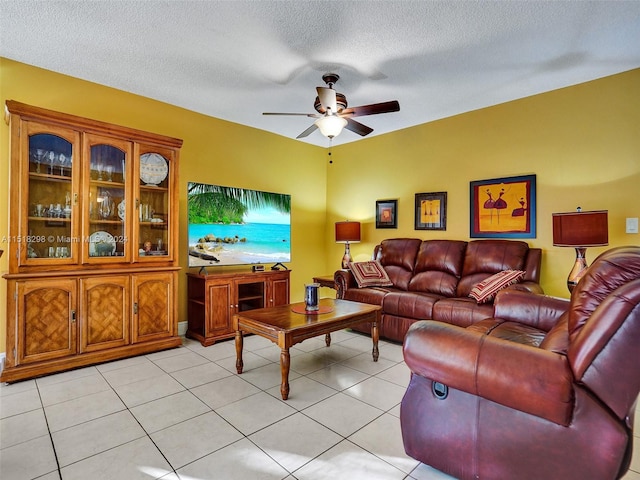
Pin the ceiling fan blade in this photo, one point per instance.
(373, 109)
(357, 127)
(327, 98)
(309, 130)
(312, 115)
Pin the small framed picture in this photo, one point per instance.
(431, 211)
(386, 214)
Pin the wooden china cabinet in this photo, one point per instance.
(92, 242)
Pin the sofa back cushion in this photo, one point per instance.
(398, 257)
(438, 267)
(484, 258)
(612, 269)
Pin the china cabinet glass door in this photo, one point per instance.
(49, 220)
(106, 200)
(154, 174)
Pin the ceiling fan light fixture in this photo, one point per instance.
(330, 125)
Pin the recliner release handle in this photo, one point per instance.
(440, 390)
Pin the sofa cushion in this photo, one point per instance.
(462, 311)
(370, 274)
(484, 258)
(371, 295)
(486, 290)
(398, 256)
(438, 267)
(512, 331)
(415, 305)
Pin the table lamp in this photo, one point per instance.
(347, 232)
(580, 230)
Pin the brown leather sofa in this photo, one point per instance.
(547, 389)
(432, 279)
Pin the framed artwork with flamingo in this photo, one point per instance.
(503, 207)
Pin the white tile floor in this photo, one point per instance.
(185, 414)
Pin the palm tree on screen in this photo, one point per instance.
(217, 204)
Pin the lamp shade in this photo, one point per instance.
(330, 125)
(347, 232)
(581, 229)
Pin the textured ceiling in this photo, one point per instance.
(236, 59)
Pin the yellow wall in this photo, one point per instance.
(214, 151)
(582, 142)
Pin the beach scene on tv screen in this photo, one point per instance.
(237, 226)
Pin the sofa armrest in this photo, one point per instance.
(539, 311)
(344, 280)
(517, 376)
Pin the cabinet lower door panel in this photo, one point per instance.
(47, 320)
(280, 294)
(220, 310)
(104, 313)
(154, 306)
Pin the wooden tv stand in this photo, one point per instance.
(214, 298)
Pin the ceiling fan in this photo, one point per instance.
(334, 115)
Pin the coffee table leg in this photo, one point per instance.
(285, 360)
(239, 343)
(327, 339)
(375, 337)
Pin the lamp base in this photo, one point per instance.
(579, 268)
(346, 257)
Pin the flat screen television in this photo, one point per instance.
(237, 226)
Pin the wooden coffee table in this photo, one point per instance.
(285, 327)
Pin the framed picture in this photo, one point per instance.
(431, 211)
(386, 214)
(503, 207)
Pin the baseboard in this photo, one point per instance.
(182, 328)
(3, 356)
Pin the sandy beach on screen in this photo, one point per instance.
(227, 257)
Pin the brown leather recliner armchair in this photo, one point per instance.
(545, 390)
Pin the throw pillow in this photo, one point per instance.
(486, 290)
(370, 274)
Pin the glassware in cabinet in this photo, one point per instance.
(107, 195)
(49, 232)
(52, 163)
